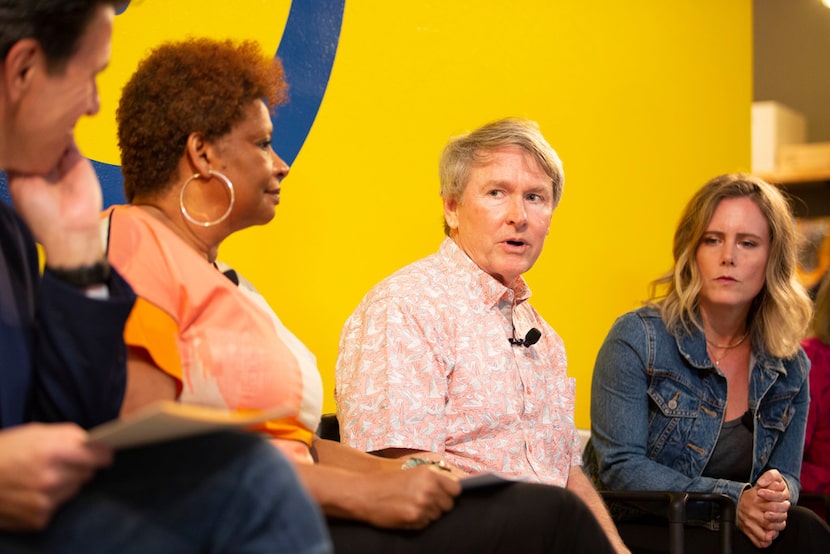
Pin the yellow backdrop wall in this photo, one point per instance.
(644, 101)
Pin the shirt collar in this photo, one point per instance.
(491, 289)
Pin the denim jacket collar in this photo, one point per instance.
(692, 346)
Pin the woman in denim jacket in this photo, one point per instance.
(705, 389)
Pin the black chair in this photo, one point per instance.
(329, 428)
(673, 502)
(673, 506)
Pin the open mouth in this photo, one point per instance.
(515, 243)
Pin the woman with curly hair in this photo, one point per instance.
(195, 139)
(705, 388)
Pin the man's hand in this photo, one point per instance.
(42, 466)
(762, 509)
(62, 209)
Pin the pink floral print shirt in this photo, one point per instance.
(425, 363)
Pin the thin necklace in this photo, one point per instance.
(729, 346)
(726, 349)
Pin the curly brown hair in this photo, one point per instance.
(197, 85)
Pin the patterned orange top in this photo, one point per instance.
(425, 363)
(221, 342)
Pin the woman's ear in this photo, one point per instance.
(197, 151)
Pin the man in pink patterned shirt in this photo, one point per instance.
(446, 358)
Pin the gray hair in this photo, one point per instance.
(463, 153)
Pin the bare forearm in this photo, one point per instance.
(579, 484)
(74, 249)
(336, 490)
(335, 454)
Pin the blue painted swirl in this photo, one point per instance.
(307, 50)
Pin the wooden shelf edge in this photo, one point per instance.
(796, 177)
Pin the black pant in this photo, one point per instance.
(805, 533)
(511, 518)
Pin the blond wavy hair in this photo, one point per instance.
(780, 314)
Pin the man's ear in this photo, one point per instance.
(24, 59)
(198, 153)
(451, 212)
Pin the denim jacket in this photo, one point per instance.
(658, 403)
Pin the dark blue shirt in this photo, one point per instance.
(62, 354)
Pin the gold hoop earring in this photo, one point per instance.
(225, 181)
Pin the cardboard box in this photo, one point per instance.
(808, 157)
(774, 125)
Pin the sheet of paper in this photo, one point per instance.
(170, 420)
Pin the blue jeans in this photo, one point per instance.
(223, 492)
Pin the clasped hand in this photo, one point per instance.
(762, 509)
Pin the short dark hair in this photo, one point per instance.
(195, 85)
(57, 25)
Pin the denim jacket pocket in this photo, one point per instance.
(673, 397)
(774, 416)
(675, 407)
(777, 411)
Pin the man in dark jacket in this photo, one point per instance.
(62, 356)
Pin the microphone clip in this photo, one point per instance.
(531, 338)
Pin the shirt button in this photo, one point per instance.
(672, 404)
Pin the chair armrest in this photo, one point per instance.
(675, 502)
